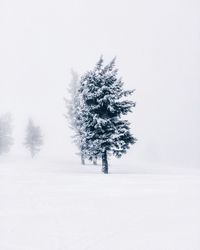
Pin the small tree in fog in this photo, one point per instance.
(6, 139)
(73, 114)
(33, 139)
(71, 100)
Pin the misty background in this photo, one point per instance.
(157, 44)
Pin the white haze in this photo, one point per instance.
(157, 44)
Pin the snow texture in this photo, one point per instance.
(59, 205)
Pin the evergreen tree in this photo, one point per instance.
(103, 100)
(33, 139)
(74, 112)
(6, 139)
(71, 101)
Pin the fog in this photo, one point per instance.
(157, 44)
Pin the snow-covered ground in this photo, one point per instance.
(58, 205)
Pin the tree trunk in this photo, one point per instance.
(105, 162)
(82, 159)
(94, 159)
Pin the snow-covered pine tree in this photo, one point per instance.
(6, 140)
(104, 102)
(33, 139)
(74, 112)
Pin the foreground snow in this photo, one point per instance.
(64, 206)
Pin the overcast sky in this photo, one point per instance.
(157, 44)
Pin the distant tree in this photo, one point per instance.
(74, 112)
(71, 100)
(33, 139)
(103, 104)
(6, 140)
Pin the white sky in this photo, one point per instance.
(157, 44)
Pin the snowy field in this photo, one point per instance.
(58, 205)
